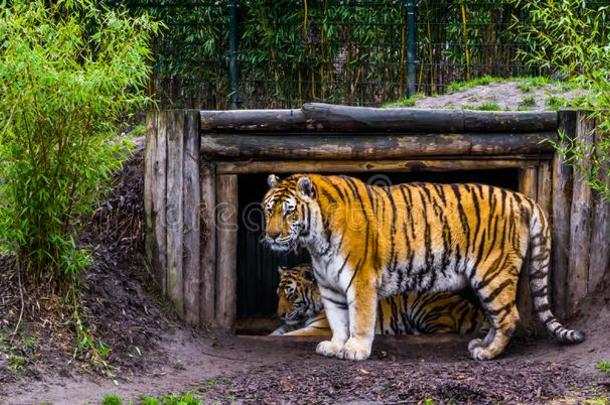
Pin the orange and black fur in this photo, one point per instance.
(300, 307)
(368, 242)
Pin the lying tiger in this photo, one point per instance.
(300, 308)
(367, 242)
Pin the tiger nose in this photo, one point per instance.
(273, 234)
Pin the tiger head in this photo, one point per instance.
(298, 294)
(291, 212)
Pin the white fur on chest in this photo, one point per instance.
(334, 272)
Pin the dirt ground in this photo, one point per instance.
(152, 354)
(507, 95)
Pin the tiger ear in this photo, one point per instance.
(308, 273)
(306, 187)
(273, 180)
(281, 269)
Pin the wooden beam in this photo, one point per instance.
(580, 235)
(208, 244)
(174, 122)
(562, 203)
(318, 117)
(226, 250)
(191, 231)
(528, 185)
(345, 166)
(376, 146)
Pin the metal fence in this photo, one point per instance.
(278, 54)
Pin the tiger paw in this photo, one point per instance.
(354, 350)
(474, 343)
(481, 353)
(328, 348)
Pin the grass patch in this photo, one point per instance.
(405, 102)
(112, 400)
(482, 107)
(528, 101)
(525, 87)
(603, 366)
(479, 81)
(556, 102)
(173, 399)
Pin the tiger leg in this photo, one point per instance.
(335, 307)
(497, 291)
(362, 307)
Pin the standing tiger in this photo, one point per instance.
(300, 307)
(368, 241)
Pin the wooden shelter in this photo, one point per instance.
(205, 169)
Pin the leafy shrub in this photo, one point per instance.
(69, 72)
(571, 38)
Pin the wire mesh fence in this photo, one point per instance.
(281, 53)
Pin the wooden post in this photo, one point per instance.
(226, 250)
(528, 185)
(150, 153)
(207, 270)
(191, 230)
(600, 232)
(174, 121)
(580, 235)
(155, 179)
(562, 203)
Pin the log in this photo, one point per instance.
(252, 120)
(191, 231)
(208, 243)
(318, 117)
(226, 251)
(381, 147)
(150, 152)
(562, 202)
(351, 166)
(174, 122)
(528, 185)
(580, 225)
(159, 189)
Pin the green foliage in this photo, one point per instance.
(554, 103)
(482, 107)
(17, 363)
(336, 51)
(173, 399)
(528, 101)
(571, 38)
(480, 81)
(405, 102)
(603, 366)
(69, 72)
(112, 400)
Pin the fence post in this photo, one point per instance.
(411, 48)
(233, 63)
